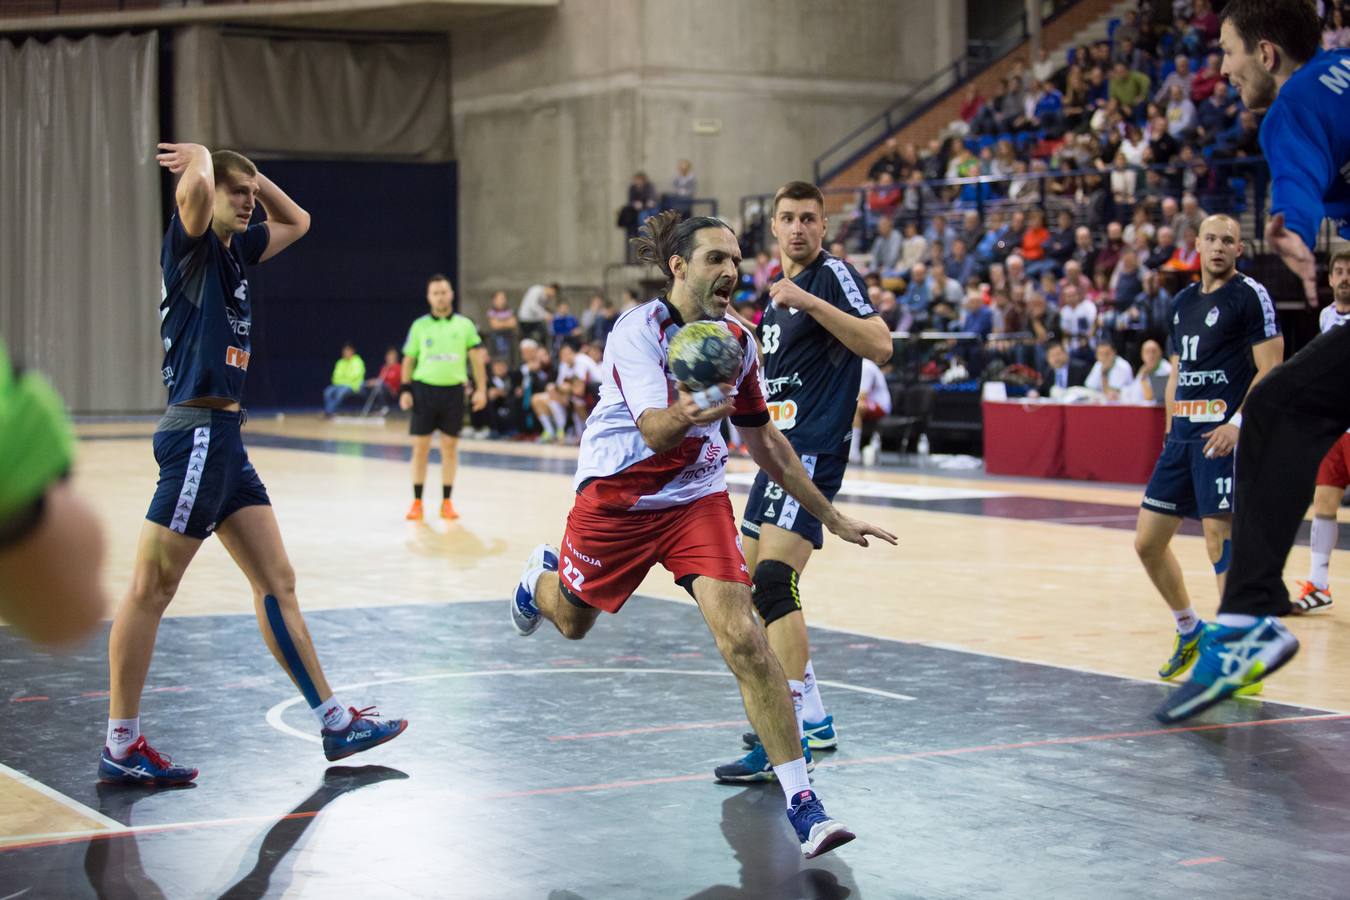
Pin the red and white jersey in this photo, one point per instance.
(874, 386)
(583, 367)
(615, 466)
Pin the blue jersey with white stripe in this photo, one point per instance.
(1305, 139)
(811, 378)
(1213, 335)
(205, 314)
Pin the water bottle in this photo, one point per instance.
(922, 446)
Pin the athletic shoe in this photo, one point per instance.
(143, 766)
(524, 614)
(815, 829)
(1229, 659)
(1311, 597)
(754, 766)
(819, 735)
(1184, 649)
(364, 732)
(414, 512)
(448, 510)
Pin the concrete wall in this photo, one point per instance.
(554, 111)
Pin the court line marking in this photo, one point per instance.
(43, 840)
(655, 729)
(53, 794)
(274, 715)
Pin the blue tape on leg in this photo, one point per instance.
(288, 651)
(1225, 558)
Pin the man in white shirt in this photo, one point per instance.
(1111, 374)
(536, 311)
(578, 378)
(1077, 321)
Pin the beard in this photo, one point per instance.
(1259, 91)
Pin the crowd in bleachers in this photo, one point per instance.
(1065, 206)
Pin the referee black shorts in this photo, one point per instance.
(437, 407)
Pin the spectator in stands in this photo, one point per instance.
(971, 228)
(1060, 370)
(1181, 77)
(972, 102)
(1181, 118)
(939, 232)
(1133, 145)
(1100, 55)
(503, 329)
(886, 247)
(1021, 188)
(1239, 139)
(1127, 280)
(597, 320)
(1049, 292)
(566, 400)
(348, 374)
(1337, 35)
(1186, 258)
(1012, 106)
(1015, 270)
(1129, 88)
(918, 293)
(1158, 302)
(1110, 252)
(641, 204)
(1075, 109)
(1128, 29)
(1162, 145)
(1164, 250)
(1077, 320)
(1034, 238)
(1150, 381)
(536, 309)
(889, 310)
(1073, 274)
(889, 161)
(1204, 82)
(1043, 325)
(564, 324)
(959, 263)
(766, 268)
(884, 198)
(504, 413)
(942, 287)
(536, 373)
(1190, 215)
(918, 196)
(913, 249)
(630, 301)
(1059, 246)
(1110, 374)
(384, 387)
(987, 247)
(1084, 250)
(1217, 113)
(1140, 224)
(1098, 90)
(1204, 30)
(1126, 51)
(1044, 68)
(977, 319)
(935, 163)
(683, 187)
(1124, 177)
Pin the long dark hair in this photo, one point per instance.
(665, 235)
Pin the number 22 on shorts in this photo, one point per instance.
(572, 574)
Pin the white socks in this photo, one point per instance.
(793, 778)
(332, 715)
(797, 689)
(1236, 620)
(559, 417)
(1186, 620)
(1323, 541)
(122, 733)
(813, 710)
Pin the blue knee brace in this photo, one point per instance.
(1225, 558)
(288, 651)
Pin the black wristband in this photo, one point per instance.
(405, 388)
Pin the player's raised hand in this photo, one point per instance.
(1295, 254)
(785, 292)
(177, 157)
(694, 414)
(856, 531)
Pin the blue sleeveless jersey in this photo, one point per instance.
(205, 312)
(1305, 139)
(811, 378)
(1213, 335)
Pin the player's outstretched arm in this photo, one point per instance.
(286, 221)
(196, 190)
(868, 337)
(771, 452)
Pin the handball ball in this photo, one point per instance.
(703, 354)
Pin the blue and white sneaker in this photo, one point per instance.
(365, 731)
(524, 614)
(755, 766)
(1229, 660)
(819, 735)
(144, 766)
(815, 829)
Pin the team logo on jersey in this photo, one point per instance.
(236, 357)
(1201, 410)
(776, 386)
(1212, 317)
(783, 413)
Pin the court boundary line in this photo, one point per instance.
(52, 793)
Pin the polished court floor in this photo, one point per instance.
(991, 677)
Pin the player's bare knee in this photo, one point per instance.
(1148, 547)
(745, 647)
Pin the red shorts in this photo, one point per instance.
(1335, 468)
(606, 553)
(872, 411)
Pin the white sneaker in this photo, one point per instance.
(525, 617)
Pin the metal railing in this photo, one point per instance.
(979, 55)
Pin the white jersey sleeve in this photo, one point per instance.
(874, 386)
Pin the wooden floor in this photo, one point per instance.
(1067, 595)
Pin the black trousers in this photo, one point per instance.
(1289, 422)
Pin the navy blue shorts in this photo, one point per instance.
(769, 504)
(1186, 484)
(204, 472)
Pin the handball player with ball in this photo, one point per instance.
(650, 489)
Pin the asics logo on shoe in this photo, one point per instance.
(137, 772)
(358, 736)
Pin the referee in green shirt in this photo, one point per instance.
(435, 370)
(51, 545)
